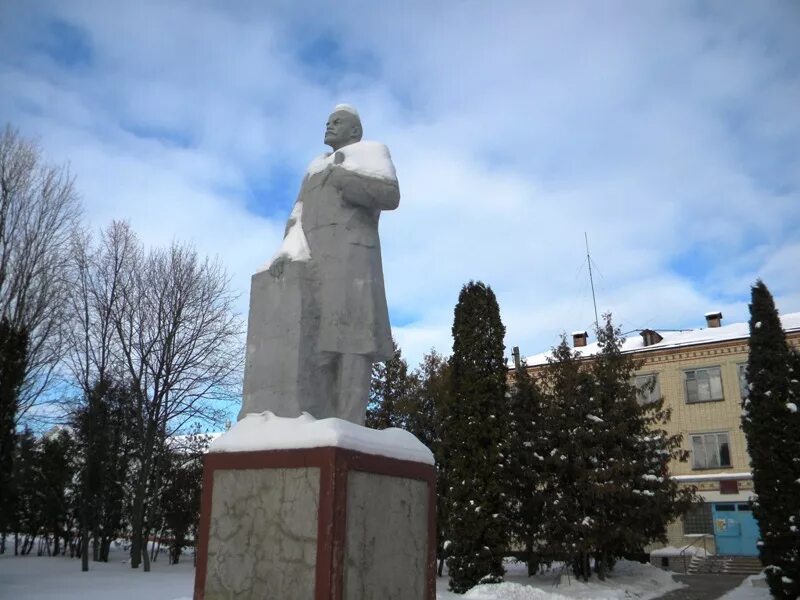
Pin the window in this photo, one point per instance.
(703, 385)
(698, 519)
(710, 450)
(648, 390)
(744, 388)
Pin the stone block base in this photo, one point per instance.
(316, 524)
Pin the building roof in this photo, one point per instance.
(676, 339)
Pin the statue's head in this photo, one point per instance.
(343, 127)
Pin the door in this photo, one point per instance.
(735, 529)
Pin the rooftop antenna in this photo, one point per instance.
(591, 279)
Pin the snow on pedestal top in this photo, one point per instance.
(266, 431)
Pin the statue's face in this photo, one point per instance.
(341, 129)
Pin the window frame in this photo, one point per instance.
(720, 455)
(744, 385)
(694, 372)
(698, 519)
(653, 395)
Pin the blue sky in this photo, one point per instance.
(668, 131)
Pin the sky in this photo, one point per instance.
(667, 132)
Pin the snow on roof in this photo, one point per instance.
(713, 313)
(266, 431)
(675, 339)
(574, 333)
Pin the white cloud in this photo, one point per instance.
(668, 132)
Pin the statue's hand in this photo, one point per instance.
(277, 266)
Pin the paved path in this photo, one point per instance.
(703, 586)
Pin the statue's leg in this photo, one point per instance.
(355, 372)
(322, 400)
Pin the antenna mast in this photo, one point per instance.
(591, 279)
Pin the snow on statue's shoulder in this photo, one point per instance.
(369, 158)
(266, 431)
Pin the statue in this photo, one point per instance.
(318, 314)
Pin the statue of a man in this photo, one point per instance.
(337, 212)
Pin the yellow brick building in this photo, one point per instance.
(701, 375)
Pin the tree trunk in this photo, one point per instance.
(84, 547)
(146, 554)
(137, 519)
(96, 546)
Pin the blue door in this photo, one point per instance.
(735, 529)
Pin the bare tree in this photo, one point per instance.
(94, 358)
(97, 272)
(39, 210)
(180, 341)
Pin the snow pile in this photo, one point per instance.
(511, 591)
(294, 245)
(628, 580)
(266, 431)
(752, 588)
(366, 158)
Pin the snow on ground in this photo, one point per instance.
(59, 578)
(47, 578)
(752, 588)
(628, 580)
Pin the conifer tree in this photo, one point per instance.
(526, 448)
(425, 422)
(635, 499)
(390, 393)
(607, 492)
(13, 351)
(104, 431)
(568, 528)
(56, 470)
(26, 480)
(771, 424)
(182, 487)
(474, 439)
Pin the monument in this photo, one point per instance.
(301, 501)
(318, 316)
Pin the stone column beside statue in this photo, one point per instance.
(301, 501)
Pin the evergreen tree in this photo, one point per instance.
(771, 424)
(607, 492)
(474, 423)
(526, 448)
(390, 393)
(567, 529)
(26, 481)
(104, 430)
(634, 497)
(56, 470)
(13, 351)
(425, 422)
(180, 494)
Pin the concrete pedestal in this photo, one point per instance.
(316, 523)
